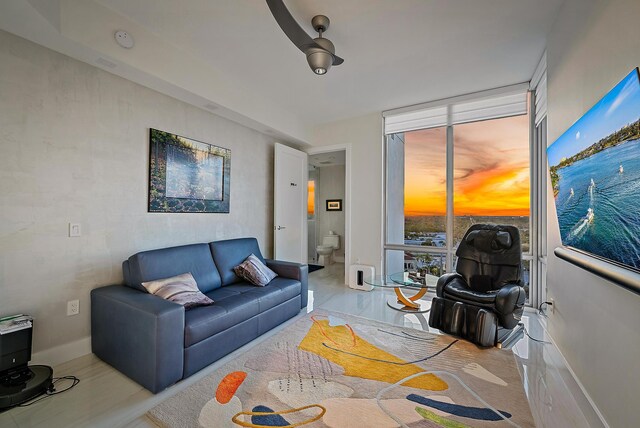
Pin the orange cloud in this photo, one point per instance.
(491, 169)
(425, 191)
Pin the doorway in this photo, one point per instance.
(289, 226)
(328, 207)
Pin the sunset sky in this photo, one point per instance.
(491, 169)
(618, 108)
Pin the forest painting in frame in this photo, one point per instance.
(595, 175)
(186, 175)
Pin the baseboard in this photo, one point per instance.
(580, 385)
(62, 353)
(339, 259)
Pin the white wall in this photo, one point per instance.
(364, 134)
(591, 47)
(331, 185)
(74, 148)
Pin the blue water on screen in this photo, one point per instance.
(613, 231)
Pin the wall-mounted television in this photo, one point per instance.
(595, 175)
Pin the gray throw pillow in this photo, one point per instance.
(254, 271)
(181, 289)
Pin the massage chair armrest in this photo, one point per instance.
(293, 271)
(139, 334)
(510, 304)
(444, 280)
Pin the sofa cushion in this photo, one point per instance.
(181, 289)
(254, 271)
(235, 304)
(205, 321)
(167, 262)
(230, 253)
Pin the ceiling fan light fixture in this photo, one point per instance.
(321, 60)
(320, 52)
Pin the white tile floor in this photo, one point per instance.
(106, 398)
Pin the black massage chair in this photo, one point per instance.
(484, 299)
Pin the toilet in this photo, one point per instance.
(330, 243)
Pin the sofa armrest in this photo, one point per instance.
(139, 334)
(294, 271)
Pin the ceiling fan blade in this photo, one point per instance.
(294, 32)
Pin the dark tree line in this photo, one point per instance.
(624, 134)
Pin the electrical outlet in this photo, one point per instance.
(73, 307)
(552, 305)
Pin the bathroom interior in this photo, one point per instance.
(325, 208)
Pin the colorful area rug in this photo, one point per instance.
(339, 371)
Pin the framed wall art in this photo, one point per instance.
(187, 176)
(334, 204)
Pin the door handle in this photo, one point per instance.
(280, 227)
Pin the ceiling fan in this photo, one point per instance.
(320, 51)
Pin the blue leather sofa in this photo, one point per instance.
(157, 342)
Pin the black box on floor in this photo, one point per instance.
(15, 350)
(20, 382)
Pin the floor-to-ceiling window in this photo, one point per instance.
(456, 164)
(538, 107)
(312, 214)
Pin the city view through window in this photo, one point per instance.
(491, 184)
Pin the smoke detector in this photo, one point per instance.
(124, 39)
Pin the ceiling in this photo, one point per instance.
(237, 59)
(320, 160)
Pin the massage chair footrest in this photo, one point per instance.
(469, 322)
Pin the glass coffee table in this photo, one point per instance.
(402, 282)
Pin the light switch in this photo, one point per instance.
(75, 230)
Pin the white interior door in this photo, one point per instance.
(290, 196)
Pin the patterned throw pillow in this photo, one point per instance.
(254, 271)
(181, 289)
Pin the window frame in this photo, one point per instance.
(536, 159)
